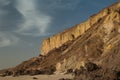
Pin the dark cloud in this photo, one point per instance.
(10, 18)
(4, 3)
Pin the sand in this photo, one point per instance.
(38, 77)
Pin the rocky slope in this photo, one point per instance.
(91, 50)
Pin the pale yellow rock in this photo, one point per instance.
(58, 40)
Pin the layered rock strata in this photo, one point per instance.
(58, 40)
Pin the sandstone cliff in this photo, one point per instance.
(68, 35)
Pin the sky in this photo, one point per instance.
(25, 23)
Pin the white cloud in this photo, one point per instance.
(35, 23)
(7, 39)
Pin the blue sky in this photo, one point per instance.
(25, 23)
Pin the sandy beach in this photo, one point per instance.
(38, 77)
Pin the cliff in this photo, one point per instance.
(58, 40)
(90, 50)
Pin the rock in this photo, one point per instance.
(48, 71)
(34, 72)
(15, 73)
(91, 66)
(65, 79)
(8, 73)
(35, 78)
(69, 71)
(77, 72)
(2, 75)
(115, 75)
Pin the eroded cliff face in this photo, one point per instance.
(53, 42)
(95, 42)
